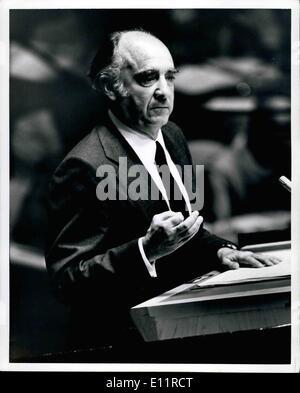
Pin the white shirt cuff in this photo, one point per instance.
(150, 266)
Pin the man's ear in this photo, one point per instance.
(108, 88)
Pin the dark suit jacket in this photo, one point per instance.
(93, 257)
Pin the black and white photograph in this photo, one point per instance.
(148, 188)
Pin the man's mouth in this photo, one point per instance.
(160, 108)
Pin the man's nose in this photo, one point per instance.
(162, 89)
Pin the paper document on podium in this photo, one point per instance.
(244, 275)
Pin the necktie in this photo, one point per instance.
(176, 199)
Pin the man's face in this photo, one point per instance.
(148, 75)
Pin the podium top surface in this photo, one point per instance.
(195, 292)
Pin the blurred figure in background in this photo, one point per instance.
(242, 189)
(51, 108)
(36, 146)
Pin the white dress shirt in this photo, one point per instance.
(145, 148)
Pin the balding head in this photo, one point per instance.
(138, 81)
(137, 46)
(121, 49)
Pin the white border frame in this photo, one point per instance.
(5, 6)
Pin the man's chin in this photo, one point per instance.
(159, 121)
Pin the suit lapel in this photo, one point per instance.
(116, 146)
(173, 146)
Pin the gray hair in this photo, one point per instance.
(112, 71)
(106, 65)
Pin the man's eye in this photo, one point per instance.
(170, 77)
(147, 78)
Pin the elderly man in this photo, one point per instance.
(108, 254)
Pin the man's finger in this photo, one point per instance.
(263, 260)
(230, 264)
(269, 260)
(168, 218)
(250, 261)
(175, 219)
(275, 260)
(192, 230)
(188, 222)
(166, 215)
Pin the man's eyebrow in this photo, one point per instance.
(173, 70)
(146, 70)
(149, 70)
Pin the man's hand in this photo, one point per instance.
(169, 231)
(233, 259)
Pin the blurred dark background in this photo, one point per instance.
(232, 101)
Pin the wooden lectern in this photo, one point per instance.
(191, 310)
